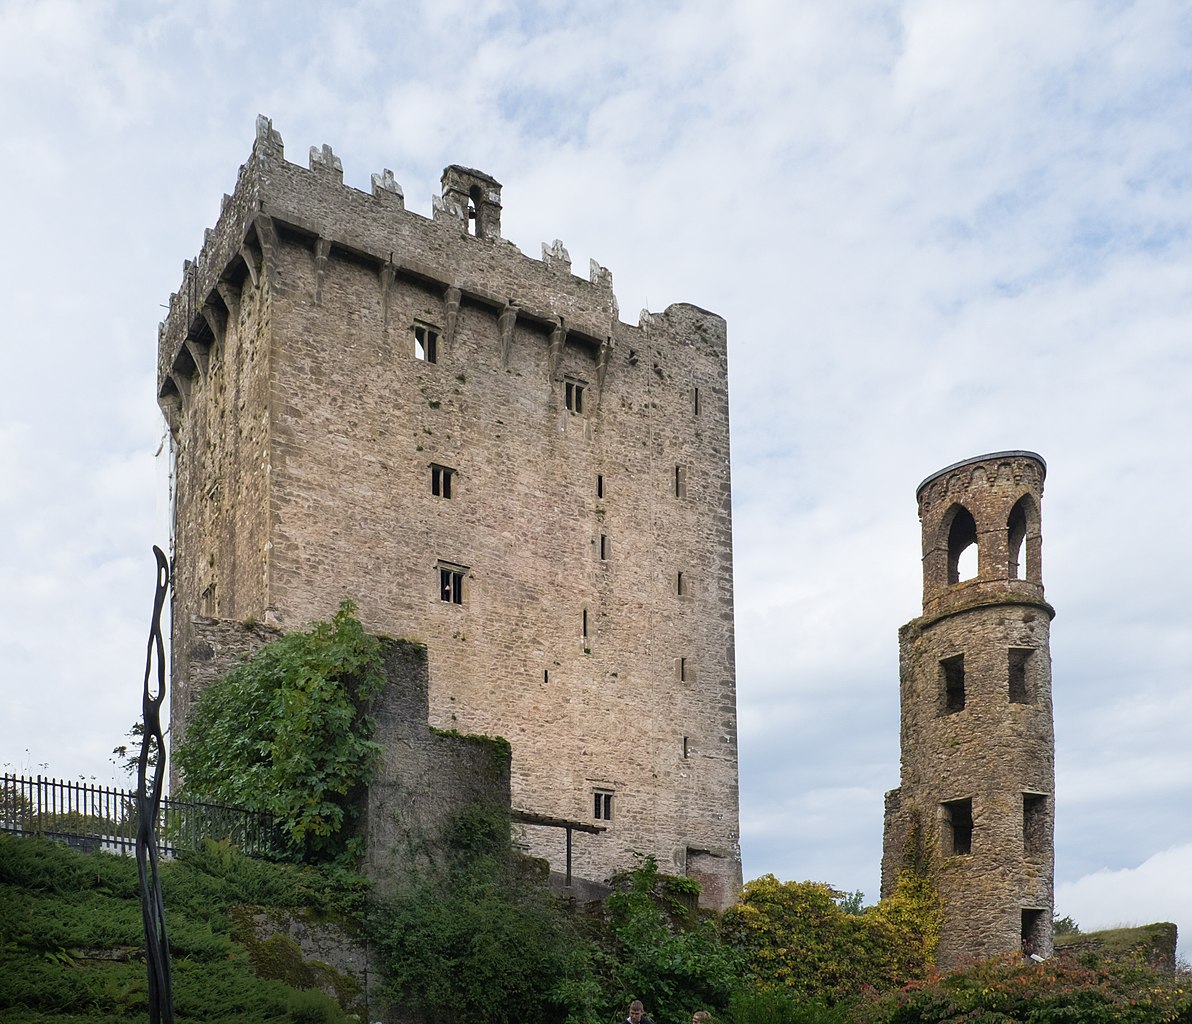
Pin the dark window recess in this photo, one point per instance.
(680, 584)
(695, 400)
(1034, 823)
(426, 343)
(1020, 687)
(952, 674)
(573, 396)
(600, 485)
(585, 622)
(604, 547)
(680, 481)
(1033, 923)
(958, 817)
(685, 746)
(440, 481)
(546, 675)
(602, 805)
(451, 585)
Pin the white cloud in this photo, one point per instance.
(934, 229)
(1155, 890)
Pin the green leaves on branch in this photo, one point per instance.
(288, 733)
(796, 936)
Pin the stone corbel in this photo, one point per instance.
(182, 386)
(451, 300)
(387, 272)
(603, 358)
(217, 320)
(322, 251)
(251, 256)
(557, 337)
(231, 298)
(505, 324)
(267, 238)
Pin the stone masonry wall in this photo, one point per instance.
(994, 747)
(558, 516)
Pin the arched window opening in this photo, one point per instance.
(962, 546)
(1016, 530)
(474, 197)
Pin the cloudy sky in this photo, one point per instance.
(936, 229)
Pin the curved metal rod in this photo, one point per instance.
(157, 943)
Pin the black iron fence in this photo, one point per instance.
(99, 818)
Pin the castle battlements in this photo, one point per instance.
(458, 249)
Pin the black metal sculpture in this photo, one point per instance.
(153, 749)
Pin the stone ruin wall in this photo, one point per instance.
(425, 780)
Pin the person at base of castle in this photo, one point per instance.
(637, 1014)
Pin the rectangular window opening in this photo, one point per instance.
(585, 622)
(1020, 687)
(695, 400)
(952, 675)
(440, 481)
(600, 485)
(683, 668)
(604, 547)
(602, 805)
(1033, 923)
(546, 675)
(451, 584)
(573, 396)
(685, 746)
(958, 818)
(680, 481)
(426, 343)
(1034, 823)
(680, 584)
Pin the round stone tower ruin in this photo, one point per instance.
(975, 808)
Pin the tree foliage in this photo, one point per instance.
(795, 935)
(1009, 989)
(472, 942)
(288, 733)
(673, 970)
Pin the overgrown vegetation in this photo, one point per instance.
(796, 936)
(288, 733)
(477, 942)
(71, 937)
(477, 938)
(1008, 989)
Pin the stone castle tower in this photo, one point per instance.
(469, 443)
(975, 806)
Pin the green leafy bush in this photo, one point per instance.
(288, 733)
(674, 971)
(473, 943)
(795, 935)
(1060, 991)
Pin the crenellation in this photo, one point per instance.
(556, 257)
(325, 163)
(385, 187)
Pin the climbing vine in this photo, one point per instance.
(288, 733)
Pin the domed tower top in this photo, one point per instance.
(991, 503)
